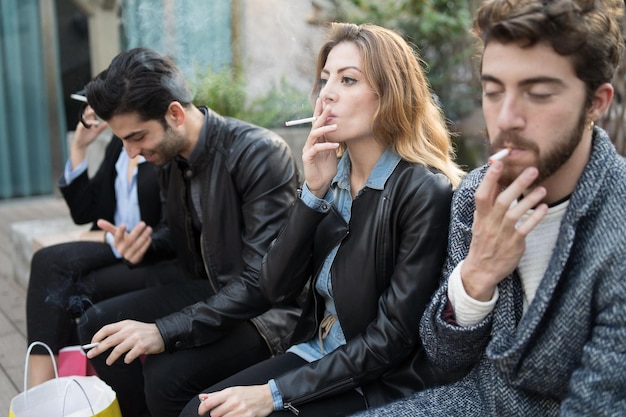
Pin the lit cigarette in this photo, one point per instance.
(79, 97)
(500, 154)
(90, 345)
(300, 121)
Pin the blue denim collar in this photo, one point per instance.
(378, 177)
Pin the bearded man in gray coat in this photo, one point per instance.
(533, 305)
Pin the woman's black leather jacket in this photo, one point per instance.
(248, 183)
(386, 269)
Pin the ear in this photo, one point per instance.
(175, 113)
(601, 101)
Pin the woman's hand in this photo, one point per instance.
(319, 158)
(252, 401)
(84, 137)
(132, 245)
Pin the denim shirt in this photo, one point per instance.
(338, 195)
(127, 200)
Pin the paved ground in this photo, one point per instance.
(13, 296)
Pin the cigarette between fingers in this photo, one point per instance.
(300, 121)
(90, 345)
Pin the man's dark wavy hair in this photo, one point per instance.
(140, 81)
(589, 32)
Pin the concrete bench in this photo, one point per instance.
(29, 236)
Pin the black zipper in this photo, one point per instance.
(307, 398)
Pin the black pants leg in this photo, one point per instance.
(337, 405)
(59, 289)
(171, 378)
(66, 279)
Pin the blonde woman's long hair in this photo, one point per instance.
(408, 118)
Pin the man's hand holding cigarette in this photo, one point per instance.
(129, 337)
(498, 242)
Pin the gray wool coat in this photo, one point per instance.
(567, 354)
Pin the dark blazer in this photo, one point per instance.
(90, 199)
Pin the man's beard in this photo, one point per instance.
(547, 163)
(172, 144)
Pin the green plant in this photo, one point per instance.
(226, 94)
(279, 105)
(221, 92)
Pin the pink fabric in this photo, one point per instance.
(72, 361)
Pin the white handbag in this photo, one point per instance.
(69, 396)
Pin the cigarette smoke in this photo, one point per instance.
(73, 294)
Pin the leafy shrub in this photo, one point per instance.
(220, 92)
(226, 94)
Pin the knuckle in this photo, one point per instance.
(481, 196)
(501, 202)
(510, 217)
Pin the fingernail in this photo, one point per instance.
(203, 397)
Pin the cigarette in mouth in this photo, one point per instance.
(300, 121)
(90, 345)
(500, 154)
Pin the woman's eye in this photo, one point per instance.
(348, 80)
(322, 82)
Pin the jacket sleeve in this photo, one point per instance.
(290, 255)
(449, 346)
(420, 219)
(89, 199)
(266, 178)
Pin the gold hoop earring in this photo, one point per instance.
(590, 125)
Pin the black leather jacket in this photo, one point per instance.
(387, 267)
(248, 184)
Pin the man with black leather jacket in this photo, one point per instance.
(227, 189)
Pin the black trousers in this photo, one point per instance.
(163, 384)
(337, 405)
(67, 278)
